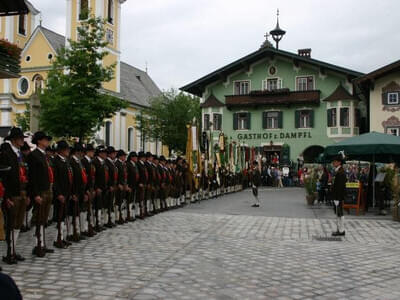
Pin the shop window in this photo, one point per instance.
(272, 119)
(241, 121)
(344, 117)
(206, 120)
(304, 118)
(217, 121)
(305, 83)
(332, 117)
(242, 87)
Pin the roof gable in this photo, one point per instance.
(381, 72)
(340, 94)
(211, 101)
(197, 87)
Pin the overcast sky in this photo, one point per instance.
(183, 40)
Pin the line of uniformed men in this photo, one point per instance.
(86, 190)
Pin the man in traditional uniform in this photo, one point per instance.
(150, 184)
(164, 182)
(62, 193)
(79, 189)
(15, 199)
(339, 192)
(100, 185)
(87, 162)
(133, 182)
(122, 185)
(112, 186)
(40, 181)
(143, 183)
(26, 149)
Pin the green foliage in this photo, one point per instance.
(24, 120)
(167, 117)
(73, 104)
(310, 183)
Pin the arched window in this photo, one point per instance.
(108, 128)
(38, 83)
(110, 12)
(130, 139)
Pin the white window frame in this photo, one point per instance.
(336, 117)
(304, 76)
(389, 100)
(275, 123)
(302, 120)
(19, 86)
(241, 87)
(278, 83)
(389, 129)
(241, 125)
(25, 26)
(216, 113)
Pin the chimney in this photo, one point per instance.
(305, 52)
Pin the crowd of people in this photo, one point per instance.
(83, 190)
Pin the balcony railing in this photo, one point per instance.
(279, 97)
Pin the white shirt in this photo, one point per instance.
(15, 149)
(88, 158)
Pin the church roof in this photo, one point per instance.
(137, 87)
(340, 94)
(56, 40)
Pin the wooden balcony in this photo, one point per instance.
(9, 60)
(281, 97)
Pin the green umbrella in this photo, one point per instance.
(373, 146)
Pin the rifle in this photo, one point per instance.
(59, 243)
(66, 215)
(10, 258)
(89, 215)
(39, 251)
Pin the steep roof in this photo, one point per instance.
(340, 94)
(56, 40)
(211, 101)
(197, 87)
(137, 86)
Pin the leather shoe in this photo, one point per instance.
(10, 260)
(39, 252)
(19, 257)
(48, 250)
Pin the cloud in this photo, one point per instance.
(182, 40)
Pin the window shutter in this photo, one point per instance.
(220, 121)
(311, 118)
(310, 83)
(329, 117)
(280, 119)
(342, 114)
(297, 119)
(264, 84)
(248, 121)
(235, 121)
(385, 98)
(279, 84)
(264, 120)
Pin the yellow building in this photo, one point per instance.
(382, 89)
(40, 46)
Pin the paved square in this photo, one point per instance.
(200, 252)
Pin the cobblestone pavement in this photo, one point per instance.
(185, 255)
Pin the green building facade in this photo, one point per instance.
(280, 102)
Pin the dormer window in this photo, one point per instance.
(110, 12)
(393, 98)
(83, 9)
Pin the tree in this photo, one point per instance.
(167, 117)
(23, 120)
(73, 103)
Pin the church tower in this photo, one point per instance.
(110, 10)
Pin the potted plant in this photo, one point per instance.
(310, 184)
